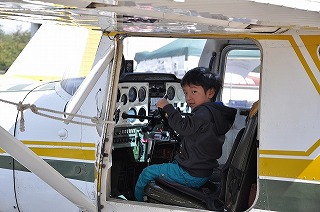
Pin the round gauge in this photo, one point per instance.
(132, 111)
(132, 94)
(171, 93)
(124, 99)
(142, 94)
(142, 112)
(118, 95)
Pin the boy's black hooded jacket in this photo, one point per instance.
(203, 134)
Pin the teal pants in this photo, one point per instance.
(169, 171)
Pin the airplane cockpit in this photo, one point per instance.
(141, 137)
(139, 131)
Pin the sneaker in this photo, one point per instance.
(121, 197)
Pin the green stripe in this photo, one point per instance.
(6, 162)
(288, 196)
(69, 169)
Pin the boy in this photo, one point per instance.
(203, 133)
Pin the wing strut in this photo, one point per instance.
(43, 170)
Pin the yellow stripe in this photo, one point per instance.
(98, 176)
(312, 78)
(59, 152)
(65, 153)
(291, 152)
(312, 43)
(53, 143)
(305, 65)
(290, 168)
(89, 54)
(298, 53)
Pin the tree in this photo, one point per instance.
(11, 46)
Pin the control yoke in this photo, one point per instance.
(157, 117)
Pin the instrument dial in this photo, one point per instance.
(142, 94)
(132, 94)
(132, 111)
(171, 92)
(142, 112)
(124, 99)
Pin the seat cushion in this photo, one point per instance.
(170, 196)
(172, 193)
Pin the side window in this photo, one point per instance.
(71, 85)
(242, 78)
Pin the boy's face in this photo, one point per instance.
(195, 95)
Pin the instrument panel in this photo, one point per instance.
(138, 94)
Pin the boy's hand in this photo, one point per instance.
(162, 102)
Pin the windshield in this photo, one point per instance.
(163, 55)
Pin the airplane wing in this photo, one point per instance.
(176, 16)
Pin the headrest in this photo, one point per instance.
(254, 109)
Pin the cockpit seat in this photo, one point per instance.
(172, 193)
(210, 196)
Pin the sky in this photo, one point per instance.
(9, 26)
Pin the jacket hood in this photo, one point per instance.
(222, 115)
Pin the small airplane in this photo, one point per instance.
(76, 137)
